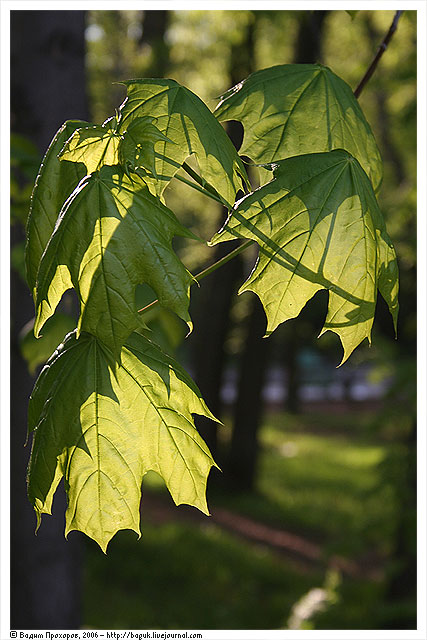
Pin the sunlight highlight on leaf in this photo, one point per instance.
(103, 426)
(191, 128)
(112, 235)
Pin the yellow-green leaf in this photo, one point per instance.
(137, 145)
(294, 109)
(36, 352)
(55, 182)
(112, 235)
(102, 427)
(191, 128)
(318, 226)
(93, 146)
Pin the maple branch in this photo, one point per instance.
(196, 186)
(219, 263)
(381, 49)
(205, 272)
(207, 189)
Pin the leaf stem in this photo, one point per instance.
(219, 263)
(196, 186)
(205, 272)
(381, 49)
(205, 186)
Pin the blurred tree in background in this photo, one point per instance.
(48, 85)
(340, 473)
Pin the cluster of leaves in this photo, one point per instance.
(109, 404)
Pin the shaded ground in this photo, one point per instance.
(159, 509)
(323, 500)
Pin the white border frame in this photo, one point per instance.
(418, 5)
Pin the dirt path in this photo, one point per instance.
(307, 554)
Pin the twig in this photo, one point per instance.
(381, 49)
(204, 184)
(202, 274)
(198, 188)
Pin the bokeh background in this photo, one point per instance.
(313, 521)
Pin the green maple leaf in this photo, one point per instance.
(191, 128)
(94, 146)
(102, 427)
(294, 109)
(318, 226)
(112, 235)
(36, 352)
(137, 145)
(55, 182)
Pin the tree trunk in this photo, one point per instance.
(242, 460)
(47, 88)
(213, 302)
(154, 26)
(253, 366)
(216, 296)
(308, 48)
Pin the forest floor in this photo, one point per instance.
(323, 501)
(303, 552)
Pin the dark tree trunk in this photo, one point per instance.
(47, 88)
(247, 415)
(308, 48)
(154, 26)
(48, 84)
(242, 460)
(252, 371)
(216, 295)
(213, 301)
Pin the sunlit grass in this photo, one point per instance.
(182, 576)
(179, 577)
(326, 487)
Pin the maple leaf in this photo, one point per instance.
(295, 109)
(190, 128)
(93, 146)
(103, 426)
(112, 234)
(55, 182)
(318, 226)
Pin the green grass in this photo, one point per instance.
(183, 576)
(180, 577)
(326, 487)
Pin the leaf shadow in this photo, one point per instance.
(316, 213)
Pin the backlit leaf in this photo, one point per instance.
(294, 109)
(103, 427)
(318, 226)
(36, 352)
(112, 235)
(94, 146)
(55, 182)
(183, 118)
(137, 145)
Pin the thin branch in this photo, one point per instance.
(202, 274)
(216, 265)
(197, 187)
(204, 184)
(381, 49)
